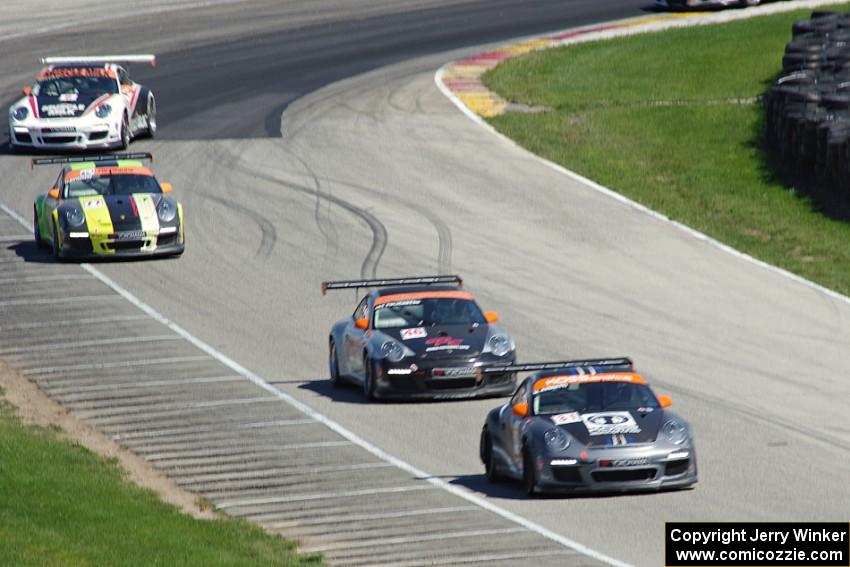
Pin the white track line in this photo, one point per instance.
(338, 428)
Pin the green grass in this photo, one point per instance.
(62, 505)
(669, 120)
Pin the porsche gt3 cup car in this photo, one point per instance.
(83, 103)
(587, 425)
(414, 338)
(106, 206)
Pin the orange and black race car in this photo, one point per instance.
(419, 338)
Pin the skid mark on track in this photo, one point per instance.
(369, 267)
(267, 228)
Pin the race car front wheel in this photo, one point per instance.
(333, 363)
(125, 133)
(368, 379)
(151, 120)
(36, 230)
(55, 243)
(529, 478)
(491, 467)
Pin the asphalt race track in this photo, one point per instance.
(370, 170)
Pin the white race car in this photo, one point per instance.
(83, 103)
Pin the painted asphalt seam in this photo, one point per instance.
(336, 427)
(438, 79)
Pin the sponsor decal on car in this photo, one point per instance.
(401, 303)
(130, 235)
(634, 462)
(413, 333)
(460, 372)
(565, 418)
(610, 423)
(63, 109)
(445, 343)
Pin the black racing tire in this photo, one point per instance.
(55, 244)
(369, 381)
(150, 126)
(491, 467)
(333, 364)
(529, 477)
(125, 133)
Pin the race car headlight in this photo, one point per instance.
(103, 110)
(394, 351)
(167, 210)
(75, 217)
(556, 440)
(500, 345)
(675, 431)
(20, 113)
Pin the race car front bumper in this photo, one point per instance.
(618, 470)
(82, 245)
(454, 378)
(64, 134)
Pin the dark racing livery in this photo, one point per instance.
(587, 425)
(83, 103)
(417, 338)
(107, 206)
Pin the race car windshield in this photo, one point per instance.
(594, 396)
(428, 312)
(124, 184)
(69, 86)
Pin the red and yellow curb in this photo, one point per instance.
(463, 77)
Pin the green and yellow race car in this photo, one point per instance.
(107, 206)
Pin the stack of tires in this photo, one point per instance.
(808, 107)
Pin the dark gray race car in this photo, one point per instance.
(417, 338)
(587, 425)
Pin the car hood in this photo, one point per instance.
(613, 427)
(442, 341)
(66, 106)
(121, 212)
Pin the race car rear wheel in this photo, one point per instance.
(125, 133)
(151, 120)
(491, 466)
(368, 379)
(333, 363)
(529, 478)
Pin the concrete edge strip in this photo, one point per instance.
(620, 32)
(333, 425)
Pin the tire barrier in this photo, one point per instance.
(808, 106)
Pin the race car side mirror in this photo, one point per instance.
(491, 316)
(362, 323)
(166, 187)
(520, 409)
(665, 401)
(27, 91)
(53, 193)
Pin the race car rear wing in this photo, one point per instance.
(420, 280)
(147, 58)
(608, 363)
(81, 159)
